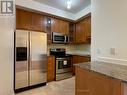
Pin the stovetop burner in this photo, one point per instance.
(59, 52)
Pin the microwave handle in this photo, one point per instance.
(66, 39)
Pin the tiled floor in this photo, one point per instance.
(64, 87)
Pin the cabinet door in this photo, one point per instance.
(115, 87)
(64, 27)
(60, 26)
(100, 85)
(72, 33)
(38, 22)
(88, 27)
(23, 19)
(80, 32)
(83, 30)
(79, 59)
(51, 69)
(82, 82)
(55, 25)
(83, 59)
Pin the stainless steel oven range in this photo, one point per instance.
(63, 63)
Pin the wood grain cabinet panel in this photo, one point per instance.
(38, 22)
(88, 29)
(79, 59)
(116, 87)
(99, 85)
(55, 25)
(59, 26)
(30, 21)
(80, 32)
(82, 82)
(83, 31)
(64, 27)
(23, 19)
(91, 83)
(51, 69)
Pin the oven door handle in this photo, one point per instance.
(60, 58)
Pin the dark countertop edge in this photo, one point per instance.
(79, 55)
(77, 65)
(76, 55)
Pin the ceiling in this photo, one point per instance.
(77, 5)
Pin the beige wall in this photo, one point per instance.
(6, 54)
(109, 30)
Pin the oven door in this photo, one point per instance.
(63, 65)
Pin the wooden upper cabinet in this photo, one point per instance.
(29, 20)
(55, 25)
(23, 19)
(59, 26)
(38, 22)
(89, 27)
(80, 32)
(64, 27)
(83, 30)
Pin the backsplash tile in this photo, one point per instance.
(79, 49)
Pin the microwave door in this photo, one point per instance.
(59, 39)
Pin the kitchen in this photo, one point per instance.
(67, 43)
(104, 75)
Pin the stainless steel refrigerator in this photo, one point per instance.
(30, 58)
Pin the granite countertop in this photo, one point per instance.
(116, 71)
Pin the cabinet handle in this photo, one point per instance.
(81, 90)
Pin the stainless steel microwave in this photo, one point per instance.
(60, 38)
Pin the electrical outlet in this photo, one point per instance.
(98, 51)
(112, 51)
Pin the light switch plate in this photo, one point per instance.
(112, 51)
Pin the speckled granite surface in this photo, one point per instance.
(109, 69)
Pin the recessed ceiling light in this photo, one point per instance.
(69, 2)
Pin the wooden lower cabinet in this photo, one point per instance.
(99, 84)
(82, 82)
(79, 59)
(91, 83)
(51, 69)
(116, 87)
